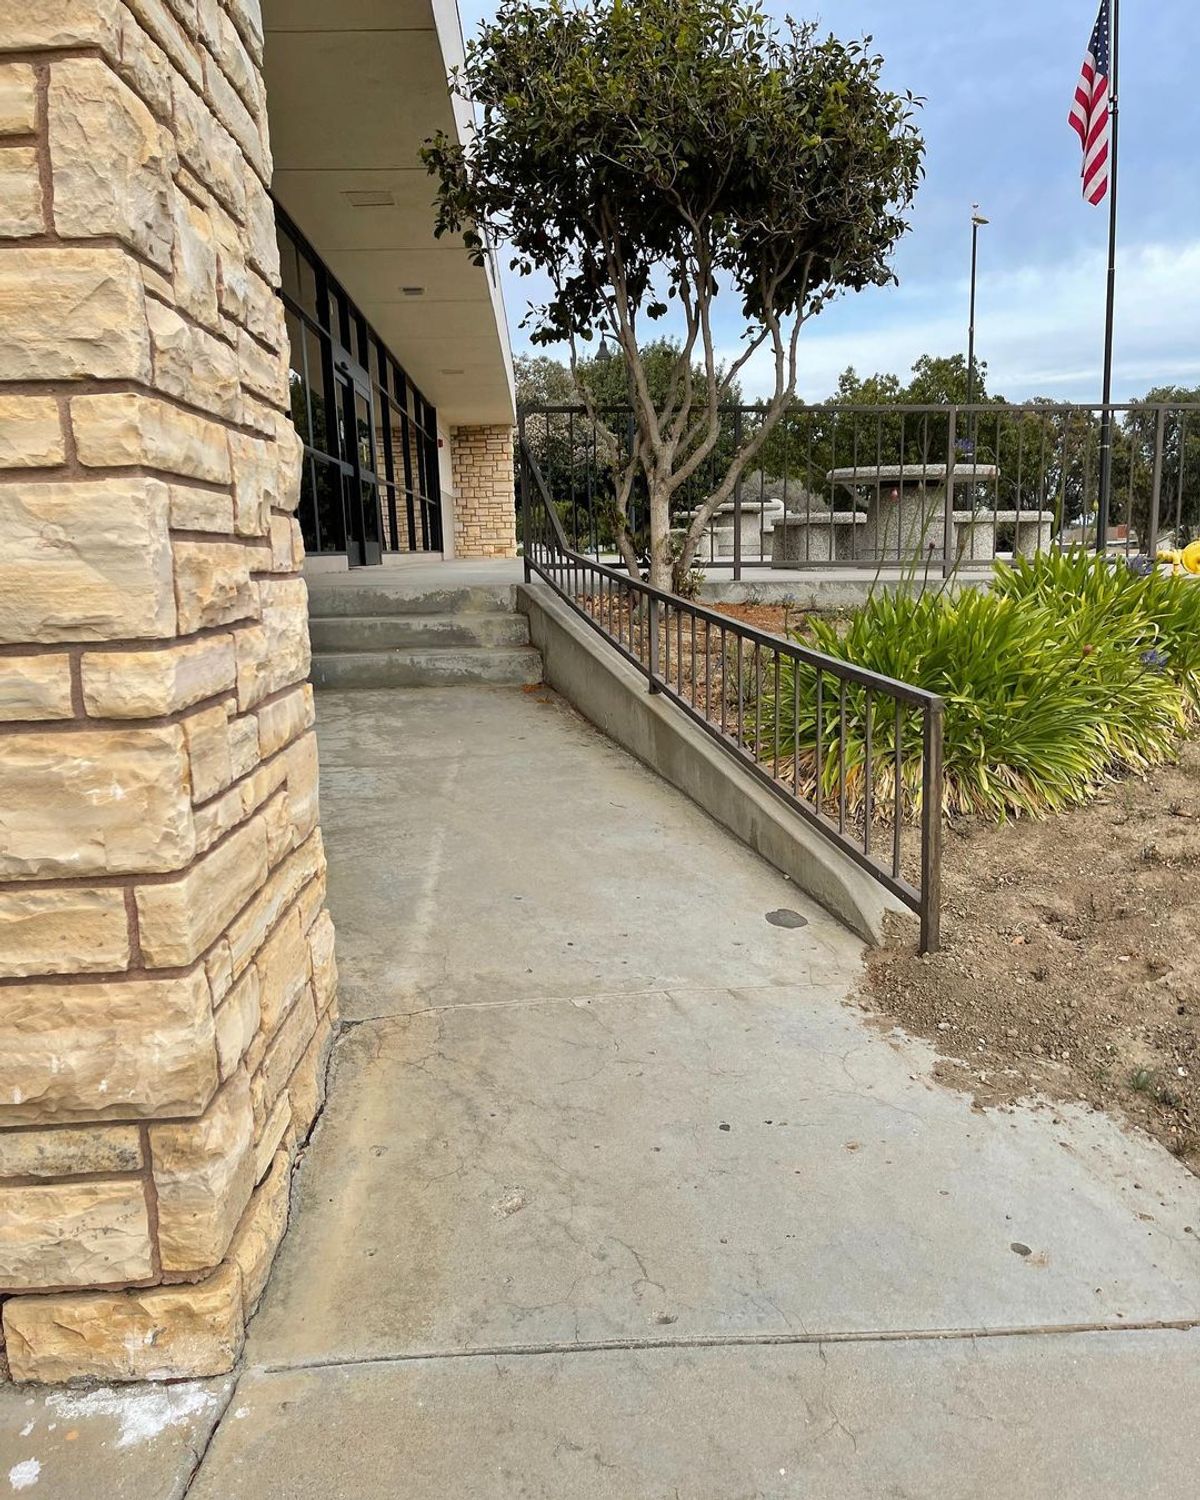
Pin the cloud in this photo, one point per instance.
(1040, 328)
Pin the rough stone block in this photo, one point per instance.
(124, 190)
(89, 801)
(283, 719)
(306, 1087)
(146, 684)
(207, 735)
(256, 479)
(303, 785)
(195, 279)
(174, 40)
(69, 314)
(263, 371)
(70, 1151)
(213, 585)
(233, 278)
(248, 929)
(31, 434)
(243, 744)
(164, 1333)
(113, 1049)
(237, 1021)
(261, 1231)
(20, 193)
(192, 364)
(285, 653)
(69, 930)
(178, 919)
(204, 1175)
(200, 510)
(62, 23)
(144, 67)
(324, 961)
(73, 1234)
(85, 561)
(18, 98)
(128, 428)
(262, 244)
(282, 1056)
(35, 687)
(282, 964)
(226, 104)
(218, 817)
(209, 149)
(272, 1135)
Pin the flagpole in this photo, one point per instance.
(1103, 509)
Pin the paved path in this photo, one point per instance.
(617, 1198)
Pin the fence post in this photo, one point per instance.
(948, 519)
(652, 628)
(523, 470)
(931, 829)
(737, 499)
(1160, 431)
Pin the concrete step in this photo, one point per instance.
(337, 600)
(428, 666)
(384, 632)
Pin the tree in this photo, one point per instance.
(644, 153)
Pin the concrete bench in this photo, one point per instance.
(822, 536)
(975, 532)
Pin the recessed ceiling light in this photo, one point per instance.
(413, 291)
(370, 198)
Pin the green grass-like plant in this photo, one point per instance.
(1070, 670)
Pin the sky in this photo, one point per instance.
(998, 77)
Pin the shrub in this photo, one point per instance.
(1067, 672)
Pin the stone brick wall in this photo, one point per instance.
(166, 962)
(485, 523)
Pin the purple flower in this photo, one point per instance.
(1142, 566)
(1154, 660)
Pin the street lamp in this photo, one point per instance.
(977, 220)
(604, 353)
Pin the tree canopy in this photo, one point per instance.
(645, 154)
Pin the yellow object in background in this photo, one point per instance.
(1188, 559)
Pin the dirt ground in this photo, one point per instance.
(778, 618)
(1070, 966)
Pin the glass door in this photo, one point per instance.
(356, 434)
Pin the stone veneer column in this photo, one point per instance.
(485, 517)
(166, 961)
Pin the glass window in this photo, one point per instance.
(297, 384)
(315, 347)
(289, 270)
(331, 514)
(308, 288)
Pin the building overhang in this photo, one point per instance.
(353, 89)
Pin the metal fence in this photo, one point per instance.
(855, 754)
(890, 486)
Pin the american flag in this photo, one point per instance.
(1089, 113)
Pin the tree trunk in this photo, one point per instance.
(662, 559)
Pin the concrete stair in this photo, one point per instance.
(369, 635)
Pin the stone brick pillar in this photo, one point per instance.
(166, 962)
(485, 518)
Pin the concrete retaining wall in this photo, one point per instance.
(609, 692)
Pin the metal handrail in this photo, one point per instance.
(638, 620)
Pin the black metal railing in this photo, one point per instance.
(943, 486)
(833, 741)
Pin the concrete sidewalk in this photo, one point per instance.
(616, 1196)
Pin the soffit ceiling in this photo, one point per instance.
(353, 88)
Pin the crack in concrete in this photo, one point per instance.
(729, 1341)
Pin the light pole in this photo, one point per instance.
(977, 221)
